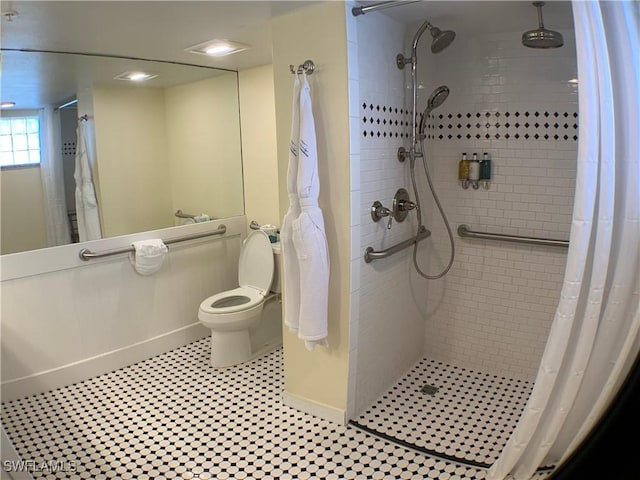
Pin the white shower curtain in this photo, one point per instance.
(86, 201)
(53, 178)
(594, 337)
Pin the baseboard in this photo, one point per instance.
(320, 410)
(99, 364)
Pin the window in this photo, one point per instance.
(19, 140)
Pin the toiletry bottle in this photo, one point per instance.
(463, 171)
(485, 171)
(474, 171)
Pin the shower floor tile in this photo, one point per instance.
(469, 418)
(173, 416)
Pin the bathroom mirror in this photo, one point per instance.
(158, 146)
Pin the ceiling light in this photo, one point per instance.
(218, 48)
(7, 104)
(135, 76)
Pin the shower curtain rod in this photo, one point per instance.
(362, 9)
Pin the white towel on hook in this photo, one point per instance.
(291, 273)
(148, 256)
(306, 235)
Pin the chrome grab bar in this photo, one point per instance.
(85, 254)
(370, 254)
(464, 231)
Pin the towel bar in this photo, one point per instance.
(85, 254)
(464, 231)
(370, 254)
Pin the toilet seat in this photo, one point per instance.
(230, 301)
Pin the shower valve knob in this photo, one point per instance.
(378, 211)
(406, 205)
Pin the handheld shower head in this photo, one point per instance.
(437, 98)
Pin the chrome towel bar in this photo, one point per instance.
(370, 254)
(464, 231)
(85, 254)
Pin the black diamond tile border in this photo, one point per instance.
(173, 416)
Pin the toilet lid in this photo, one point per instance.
(255, 268)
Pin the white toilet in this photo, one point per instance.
(231, 314)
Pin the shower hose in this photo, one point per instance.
(419, 214)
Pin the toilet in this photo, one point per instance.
(233, 313)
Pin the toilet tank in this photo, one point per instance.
(277, 267)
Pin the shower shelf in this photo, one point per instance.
(370, 254)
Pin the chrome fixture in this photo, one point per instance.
(307, 67)
(436, 99)
(85, 254)
(361, 10)
(541, 37)
(402, 205)
(441, 40)
(464, 231)
(370, 254)
(378, 212)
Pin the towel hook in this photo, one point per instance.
(307, 67)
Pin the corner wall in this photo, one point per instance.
(388, 323)
(317, 381)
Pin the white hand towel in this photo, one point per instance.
(148, 256)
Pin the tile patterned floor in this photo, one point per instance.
(469, 418)
(173, 416)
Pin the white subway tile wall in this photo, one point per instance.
(493, 311)
(388, 331)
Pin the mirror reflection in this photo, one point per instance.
(93, 149)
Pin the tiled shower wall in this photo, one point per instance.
(387, 304)
(493, 311)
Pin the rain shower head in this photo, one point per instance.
(441, 40)
(541, 37)
(437, 98)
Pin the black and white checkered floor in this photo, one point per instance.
(469, 418)
(173, 416)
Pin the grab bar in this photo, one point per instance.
(85, 254)
(180, 214)
(464, 231)
(370, 254)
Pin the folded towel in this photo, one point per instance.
(149, 255)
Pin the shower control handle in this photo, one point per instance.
(378, 211)
(406, 205)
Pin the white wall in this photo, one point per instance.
(387, 327)
(259, 146)
(24, 224)
(132, 161)
(64, 320)
(319, 33)
(492, 312)
(203, 146)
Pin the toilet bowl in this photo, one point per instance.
(231, 314)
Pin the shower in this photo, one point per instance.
(440, 41)
(541, 37)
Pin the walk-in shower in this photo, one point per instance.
(440, 40)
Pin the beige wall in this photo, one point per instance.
(22, 199)
(132, 165)
(319, 33)
(259, 146)
(203, 145)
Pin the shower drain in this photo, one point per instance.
(429, 389)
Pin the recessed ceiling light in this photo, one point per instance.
(7, 104)
(135, 76)
(218, 48)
